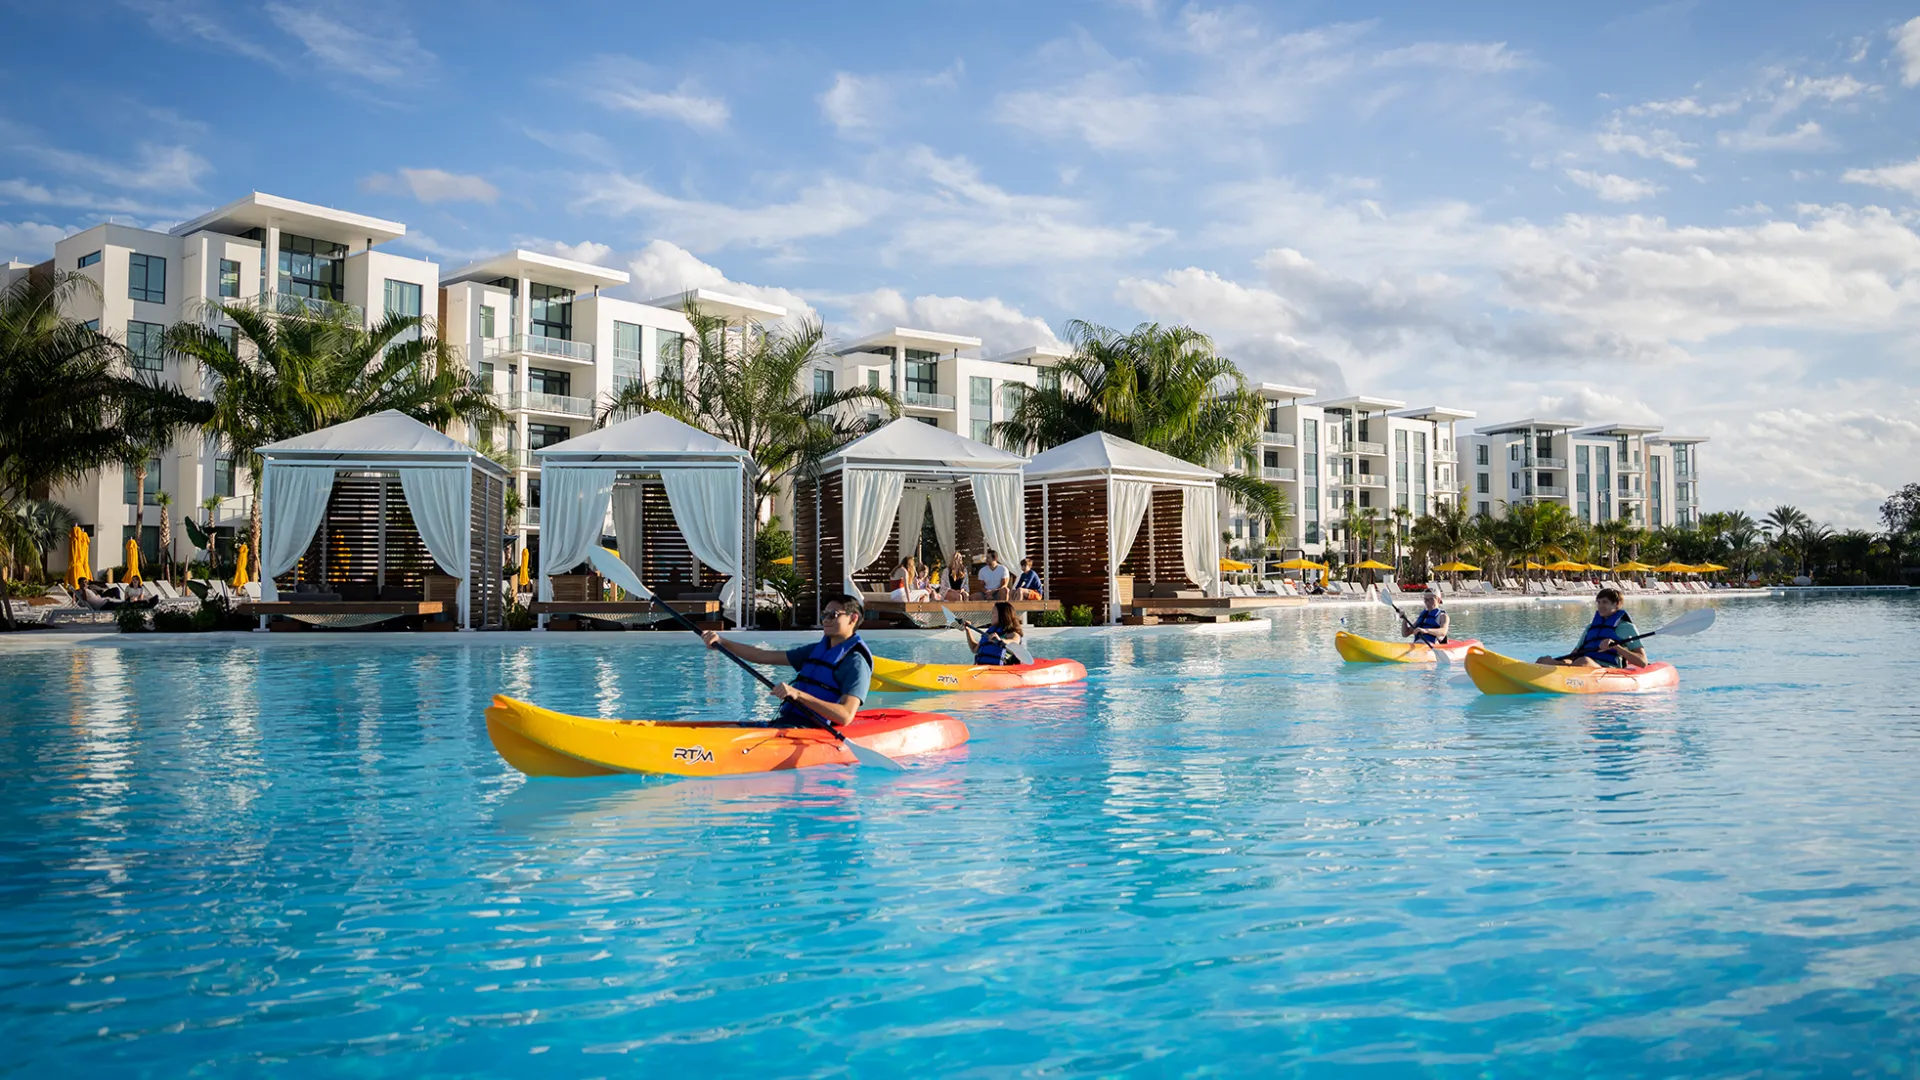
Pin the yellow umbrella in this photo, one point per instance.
(1565, 565)
(1673, 568)
(77, 568)
(1529, 565)
(1233, 565)
(1593, 566)
(1300, 564)
(1710, 568)
(133, 560)
(240, 578)
(1456, 567)
(1633, 566)
(524, 578)
(1372, 564)
(784, 560)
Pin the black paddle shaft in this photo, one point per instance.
(746, 667)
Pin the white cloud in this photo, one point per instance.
(1906, 47)
(581, 144)
(969, 220)
(434, 185)
(854, 103)
(363, 44)
(24, 192)
(155, 167)
(626, 85)
(1613, 188)
(1655, 145)
(586, 251)
(1685, 106)
(28, 241)
(664, 269)
(1902, 177)
(824, 208)
(1808, 136)
(1000, 326)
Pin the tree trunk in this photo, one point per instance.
(166, 545)
(139, 500)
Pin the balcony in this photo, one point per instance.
(1367, 480)
(1547, 463)
(530, 516)
(915, 399)
(1276, 472)
(527, 401)
(1445, 457)
(1276, 438)
(1372, 449)
(575, 352)
(289, 304)
(1686, 476)
(1549, 491)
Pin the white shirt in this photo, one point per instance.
(992, 577)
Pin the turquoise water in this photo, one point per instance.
(1224, 856)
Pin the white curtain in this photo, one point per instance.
(913, 512)
(1127, 503)
(1200, 537)
(706, 504)
(440, 501)
(291, 509)
(942, 502)
(573, 509)
(869, 498)
(1001, 500)
(628, 526)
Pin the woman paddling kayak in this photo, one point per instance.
(994, 645)
(1607, 640)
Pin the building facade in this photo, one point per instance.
(940, 379)
(1599, 472)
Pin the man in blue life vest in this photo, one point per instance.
(1605, 643)
(1430, 626)
(833, 675)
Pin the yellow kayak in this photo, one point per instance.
(541, 742)
(1496, 674)
(901, 675)
(1358, 650)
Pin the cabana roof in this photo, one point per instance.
(910, 445)
(1101, 454)
(389, 435)
(649, 436)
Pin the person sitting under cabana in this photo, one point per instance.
(995, 579)
(1028, 586)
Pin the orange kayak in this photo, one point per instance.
(541, 742)
(1496, 674)
(901, 675)
(1358, 650)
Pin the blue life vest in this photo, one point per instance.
(1599, 632)
(992, 650)
(815, 677)
(1428, 620)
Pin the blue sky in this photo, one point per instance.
(1695, 213)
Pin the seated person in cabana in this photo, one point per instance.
(1028, 586)
(903, 581)
(955, 582)
(996, 581)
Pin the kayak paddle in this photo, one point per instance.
(1686, 625)
(610, 567)
(1439, 655)
(1017, 648)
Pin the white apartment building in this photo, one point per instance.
(260, 250)
(939, 378)
(1600, 472)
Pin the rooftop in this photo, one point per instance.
(1436, 412)
(725, 305)
(259, 210)
(1529, 424)
(1041, 355)
(901, 337)
(1619, 429)
(1282, 390)
(1678, 439)
(547, 269)
(1360, 402)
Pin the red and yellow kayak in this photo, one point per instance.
(1358, 650)
(1496, 674)
(541, 742)
(901, 675)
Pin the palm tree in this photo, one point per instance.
(42, 524)
(164, 501)
(1163, 387)
(1402, 526)
(1530, 528)
(1444, 535)
(1782, 520)
(753, 387)
(289, 373)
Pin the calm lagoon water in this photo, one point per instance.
(1225, 855)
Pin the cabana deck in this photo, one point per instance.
(929, 614)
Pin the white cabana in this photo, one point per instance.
(886, 481)
(347, 475)
(708, 487)
(1091, 499)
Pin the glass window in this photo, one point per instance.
(552, 311)
(873, 378)
(486, 321)
(669, 350)
(130, 483)
(981, 429)
(87, 260)
(922, 372)
(980, 393)
(823, 380)
(313, 269)
(144, 348)
(403, 298)
(626, 341)
(92, 324)
(543, 435)
(1480, 454)
(147, 278)
(231, 336)
(1483, 485)
(223, 477)
(543, 381)
(1486, 509)
(229, 277)
(1049, 378)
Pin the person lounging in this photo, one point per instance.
(832, 676)
(991, 648)
(1431, 625)
(1606, 640)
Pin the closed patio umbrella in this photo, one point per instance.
(240, 578)
(79, 562)
(133, 560)
(525, 577)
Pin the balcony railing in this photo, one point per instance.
(1372, 448)
(1276, 472)
(1445, 457)
(914, 399)
(579, 352)
(530, 515)
(1367, 480)
(547, 403)
(1686, 476)
(1547, 463)
(1550, 491)
(1276, 438)
(289, 304)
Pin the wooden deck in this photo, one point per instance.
(925, 614)
(1201, 608)
(343, 607)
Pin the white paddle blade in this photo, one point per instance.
(947, 614)
(1020, 651)
(872, 758)
(619, 573)
(1691, 623)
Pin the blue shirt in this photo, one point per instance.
(1029, 579)
(852, 674)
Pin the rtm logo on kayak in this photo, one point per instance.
(950, 680)
(695, 754)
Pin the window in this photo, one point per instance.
(543, 435)
(147, 278)
(313, 269)
(229, 277)
(1310, 472)
(669, 350)
(223, 477)
(1483, 485)
(403, 298)
(486, 321)
(149, 543)
(1480, 454)
(92, 324)
(873, 378)
(928, 420)
(1513, 481)
(87, 260)
(922, 372)
(1049, 378)
(552, 311)
(144, 347)
(231, 336)
(626, 340)
(980, 394)
(1513, 451)
(981, 430)
(533, 492)
(543, 381)
(1486, 509)
(130, 483)
(823, 380)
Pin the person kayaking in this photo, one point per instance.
(1028, 586)
(991, 647)
(1605, 641)
(1430, 626)
(833, 675)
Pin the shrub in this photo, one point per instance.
(1049, 618)
(518, 617)
(173, 622)
(1080, 615)
(1240, 616)
(131, 620)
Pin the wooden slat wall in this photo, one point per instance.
(1069, 544)
(826, 575)
(1168, 566)
(352, 524)
(488, 552)
(665, 558)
